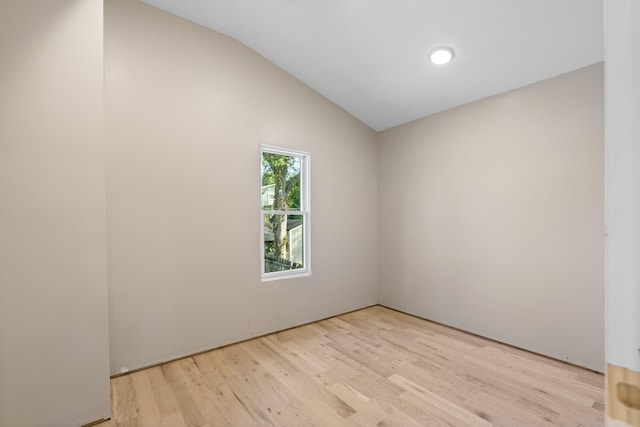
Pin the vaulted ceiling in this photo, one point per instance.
(371, 56)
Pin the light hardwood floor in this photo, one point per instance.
(372, 367)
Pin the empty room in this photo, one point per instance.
(327, 213)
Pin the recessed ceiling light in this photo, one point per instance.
(441, 55)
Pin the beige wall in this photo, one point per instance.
(186, 110)
(623, 183)
(491, 217)
(53, 295)
(622, 146)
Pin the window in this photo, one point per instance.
(284, 216)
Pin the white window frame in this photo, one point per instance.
(305, 212)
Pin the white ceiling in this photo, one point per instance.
(370, 56)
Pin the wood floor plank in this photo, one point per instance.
(372, 367)
(123, 400)
(173, 420)
(315, 386)
(192, 413)
(145, 401)
(433, 399)
(163, 393)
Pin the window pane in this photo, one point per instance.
(280, 182)
(283, 242)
